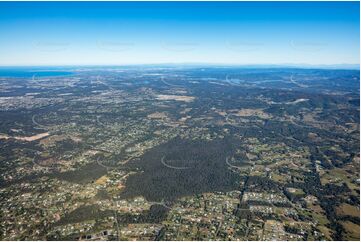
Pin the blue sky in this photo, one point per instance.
(111, 33)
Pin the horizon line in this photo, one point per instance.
(183, 63)
(355, 67)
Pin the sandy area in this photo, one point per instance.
(157, 115)
(252, 112)
(29, 138)
(175, 97)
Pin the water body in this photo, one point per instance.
(25, 72)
